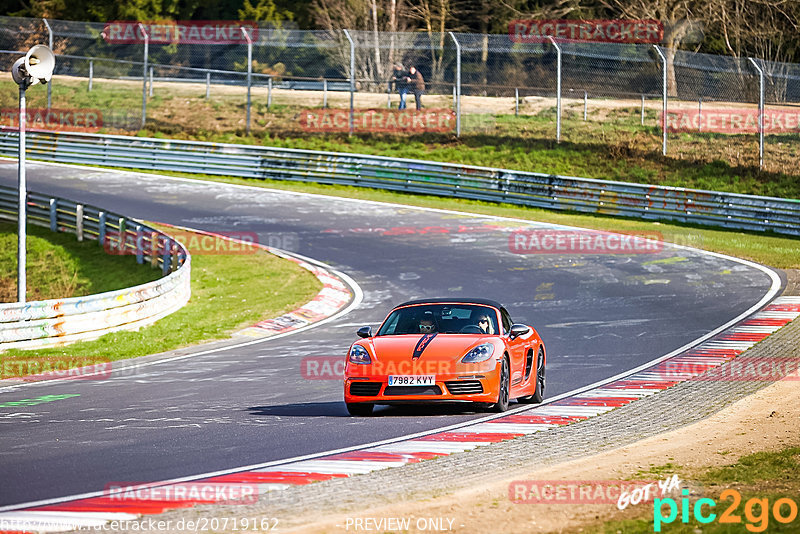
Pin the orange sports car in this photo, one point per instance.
(445, 350)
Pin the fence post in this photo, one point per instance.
(352, 77)
(144, 73)
(700, 114)
(558, 88)
(150, 91)
(663, 100)
(585, 105)
(91, 74)
(50, 44)
(269, 93)
(324, 93)
(516, 101)
(760, 113)
(642, 109)
(249, 72)
(458, 84)
(208, 84)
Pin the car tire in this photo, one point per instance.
(504, 389)
(538, 393)
(359, 409)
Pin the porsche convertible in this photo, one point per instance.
(445, 350)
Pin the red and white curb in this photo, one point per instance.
(334, 295)
(99, 508)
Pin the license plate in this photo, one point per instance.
(412, 380)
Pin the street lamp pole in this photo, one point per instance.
(35, 67)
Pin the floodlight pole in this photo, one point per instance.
(49, 44)
(664, 100)
(22, 201)
(760, 113)
(558, 88)
(144, 73)
(352, 77)
(458, 83)
(249, 72)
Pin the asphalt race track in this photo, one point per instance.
(598, 315)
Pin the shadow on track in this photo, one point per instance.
(337, 409)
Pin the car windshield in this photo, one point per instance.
(441, 319)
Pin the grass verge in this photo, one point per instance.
(228, 292)
(58, 266)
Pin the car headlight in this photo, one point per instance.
(359, 354)
(481, 353)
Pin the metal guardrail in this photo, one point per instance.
(59, 321)
(554, 192)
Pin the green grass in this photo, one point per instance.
(58, 266)
(228, 292)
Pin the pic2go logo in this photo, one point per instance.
(756, 511)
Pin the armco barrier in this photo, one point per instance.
(55, 322)
(443, 179)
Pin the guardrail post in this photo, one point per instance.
(208, 85)
(558, 88)
(166, 260)
(154, 249)
(53, 214)
(101, 228)
(121, 237)
(50, 44)
(91, 74)
(144, 73)
(79, 221)
(458, 83)
(249, 72)
(269, 93)
(760, 113)
(139, 244)
(352, 78)
(663, 100)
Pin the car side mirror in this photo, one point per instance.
(364, 331)
(518, 330)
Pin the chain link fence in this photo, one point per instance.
(485, 81)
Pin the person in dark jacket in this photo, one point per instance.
(399, 79)
(417, 85)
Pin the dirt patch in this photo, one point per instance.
(765, 421)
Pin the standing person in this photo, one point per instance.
(399, 79)
(417, 83)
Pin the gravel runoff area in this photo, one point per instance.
(676, 407)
